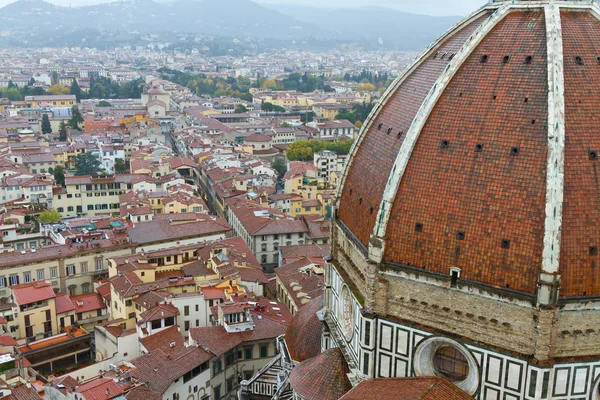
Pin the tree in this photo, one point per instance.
(266, 106)
(59, 174)
(87, 164)
(120, 167)
(303, 150)
(75, 89)
(300, 151)
(11, 84)
(62, 131)
(49, 217)
(240, 109)
(269, 84)
(58, 89)
(76, 118)
(46, 127)
(280, 167)
(246, 97)
(31, 81)
(345, 114)
(104, 103)
(13, 94)
(366, 87)
(286, 125)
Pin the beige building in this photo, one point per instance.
(68, 268)
(36, 310)
(61, 100)
(87, 195)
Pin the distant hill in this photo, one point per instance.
(217, 17)
(403, 30)
(52, 24)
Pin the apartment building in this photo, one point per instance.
(264, 229)
(68, 268)
(90, 195)
(62, 100)
(36, 304)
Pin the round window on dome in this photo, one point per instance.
(450, 363)
(444, 357)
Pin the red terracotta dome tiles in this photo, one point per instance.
(492, 194)
(370, 169)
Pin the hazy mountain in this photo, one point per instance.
(404, 30)
(50, 24)
(219, 17)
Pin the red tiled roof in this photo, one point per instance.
(22, 392)
(159, 370)
(100, 389)
(323, 377)
(218, 341)
(160, 311)
(63, 303)
(258, 137)
(142, 392)
(415, 388)
(87, 302)
(168, 340)
(7, 341)
(163, 229)
(303, 335)
(104, 291)
(32, 292)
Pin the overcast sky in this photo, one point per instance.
(430, 7)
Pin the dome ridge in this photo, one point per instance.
(389, 118)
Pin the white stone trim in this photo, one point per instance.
(394, 86)
(429, 103)
(556, 141)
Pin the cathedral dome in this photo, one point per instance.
(482, 158)
(303, 335)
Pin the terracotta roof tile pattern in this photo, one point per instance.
(28, 293)
(322, 377)
(218, 341)
(168, 340)
(416, 388)
(486, 196)
(368, 173)
(100, 389)
(159, 370)
(87, 302)
(303, 335)
(579, 270)
(160, 311)
(142, 393)
(22, 392)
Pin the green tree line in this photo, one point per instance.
(304, 150)
(100, 88)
